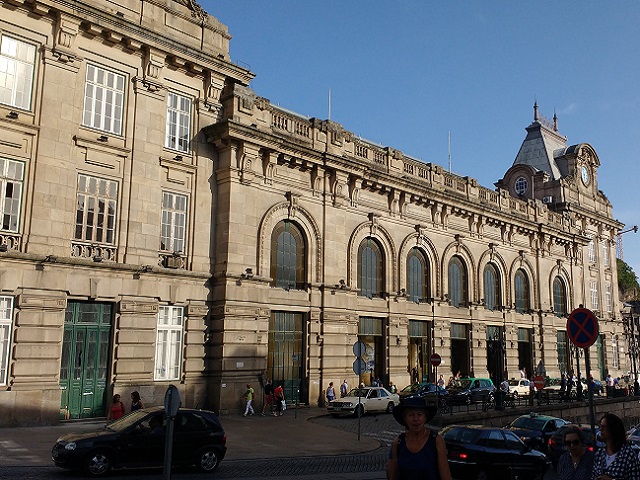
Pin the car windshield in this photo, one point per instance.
(462, 435)
(415, 388)
(514, 383)
(463, 384)
(358, 392)
(529, 423)
(127, 421)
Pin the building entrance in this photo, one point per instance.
(525, 350)
(286, 362)
(495, 354)
(85, 359)
(460, 350)
(420, 351)
(370, 333)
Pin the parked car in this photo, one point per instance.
(556, 446)
(598, 387)
(519, 387)
(469, 390)
(633, 435)
(364, 400)
(422, 389)
(536, 430)
(489, 452)
(137, 441)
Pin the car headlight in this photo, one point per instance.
(349, 404)
(70, 446)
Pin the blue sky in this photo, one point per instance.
(405, 73)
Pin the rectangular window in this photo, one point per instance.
(6, 315)
(103, 100)
(592, 252)
(593, 288)
(178, 122)
(11, 180)
(174, 220)
(616, 353)
(17, 60)
(607, 296)
(96, 209)
(605, 253)
(169, 343)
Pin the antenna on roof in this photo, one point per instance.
(449, 150)
(329, 115)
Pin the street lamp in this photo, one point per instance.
(629, 327)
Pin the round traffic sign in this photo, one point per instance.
(359, 367)
(582, 327)
(538, 381)
(435, 360)
(359, 349)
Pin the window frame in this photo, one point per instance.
(5, 180)
(173, 129)
(29, 80)
(593, 293)
(559, 297)
(417, 275)
(173, 349)
(522, 301)
(6, 325)
(288, 265)
(110, 197)
(491, 299)
(96, 118)
(458, 294)
(169, 239)
(370, 268)
(616, 352)
(591, 251)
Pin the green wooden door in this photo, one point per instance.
(85, 359)
(285, 358)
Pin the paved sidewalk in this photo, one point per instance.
(253, 437)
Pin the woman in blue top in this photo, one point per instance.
(418, 452)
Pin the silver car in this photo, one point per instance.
(364, 400)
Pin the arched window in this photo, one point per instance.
(417, 275)
(559, 297)
(491, 287)
(288, 256)
(457, 282)
(522, 292)
(370, 268)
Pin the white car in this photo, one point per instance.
(519, 387)
(364, 400)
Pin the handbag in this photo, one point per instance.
(284, 405)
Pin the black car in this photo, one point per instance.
(536, 430)
(422, 389)
(557, 448)
(137, 441)
(488, 452)
(470, 390)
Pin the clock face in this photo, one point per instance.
(584, 173)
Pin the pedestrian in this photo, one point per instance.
(617, 460)
(278, 393)
(609, 381)
(441, 381)
(577, 462)
(418, 452)
(523, 372)
(331, 393)
(248, 396)
(344, 388)
(532, 390)
(563, 387)
(136, 403)
(393, 388)
(116, 409)
(268, 397)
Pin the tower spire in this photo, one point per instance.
(555, 121)
(535, 111)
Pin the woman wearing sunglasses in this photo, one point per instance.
(577, 462)
(617, 461)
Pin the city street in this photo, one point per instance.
(289, 463)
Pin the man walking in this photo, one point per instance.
(248, 395)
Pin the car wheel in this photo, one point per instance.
(207, 460)
(482, 475)
(98, 463)
(359, 411)
(390, 407)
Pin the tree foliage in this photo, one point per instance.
(627, 282)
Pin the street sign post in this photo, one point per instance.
(583, 331)
(435, 361)
(171, 405)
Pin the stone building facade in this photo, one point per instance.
(163, 224)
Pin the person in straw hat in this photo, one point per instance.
(418, 452)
